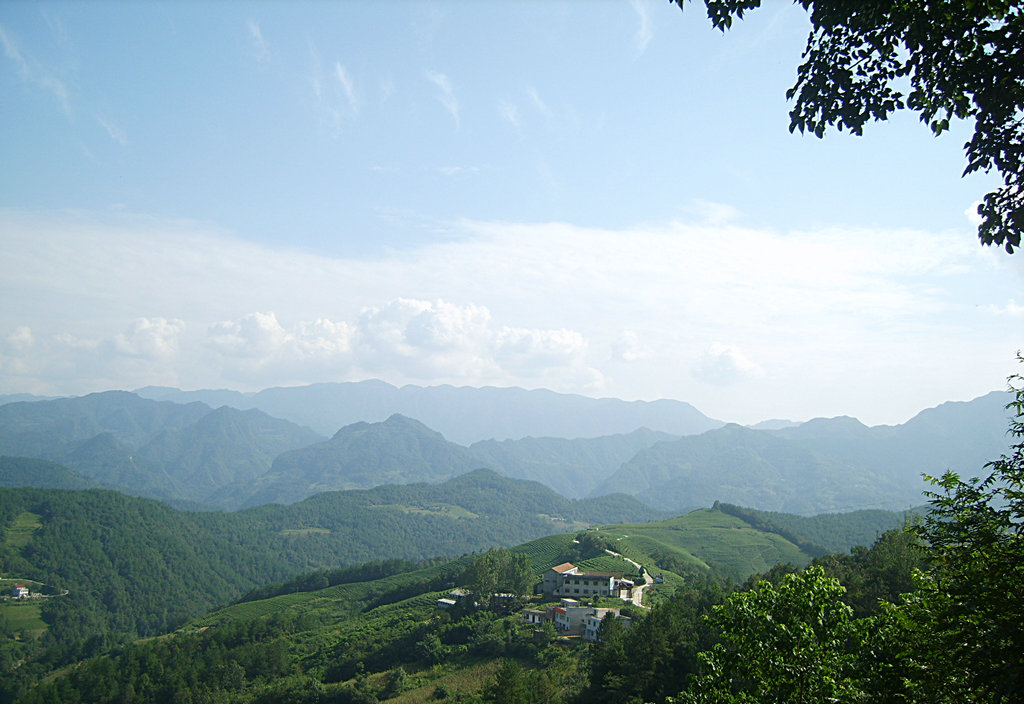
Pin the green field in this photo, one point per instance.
(302, 532)
(22, 616)
(705, 539)
(446, 510)
(19, 533)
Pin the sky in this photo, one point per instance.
(600, 198)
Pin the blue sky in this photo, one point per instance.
(600, 198)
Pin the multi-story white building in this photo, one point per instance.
(567, 580)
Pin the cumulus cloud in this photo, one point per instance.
(627, 347)
(723, 365)
(20, 339)
(524, 304)
(520, 348)
(424, 339)
(401, 340)
(146, 352)
(258, 350)
(972, 214)
(154, 338)
(254, 335)
(1010, 309)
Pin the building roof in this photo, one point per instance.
(564, 567)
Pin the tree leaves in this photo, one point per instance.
(946, 60)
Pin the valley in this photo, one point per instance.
(312, 569)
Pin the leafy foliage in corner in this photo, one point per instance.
(785, 645)
(976, 593)
(945, 60)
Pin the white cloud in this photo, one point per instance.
(20, 339)
(520, 348)
(35, 73)
(335, 99)
(1010, 309)
(972, 215)
(456, 170)
(538, 102)
(259, 44)
(254, 335)
(627, 347)
(508, 110)
(153, 338)
(447, 93)
(791, 314)
(115, 132)
(643, 34)
(724, 365)
(346, 84)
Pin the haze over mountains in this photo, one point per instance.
(191, 455)
(462, 414)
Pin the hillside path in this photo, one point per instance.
(638, 590)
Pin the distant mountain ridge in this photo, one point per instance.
(573, 468)
(163, 450)
(191, 455)
(834, 464)
(462, 414)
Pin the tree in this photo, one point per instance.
(944, 59)
(498, 570)
(975, 594)
(792, 644)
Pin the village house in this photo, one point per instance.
(19, 591)
(571, 618)
(592, 623)
(567, 580)
(454, 597)
(569, 615)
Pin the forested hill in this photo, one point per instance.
(399, 450)
(824, 465)
(373, 632)
(136, 567)
(169, 451)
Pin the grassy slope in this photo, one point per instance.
(706, 539)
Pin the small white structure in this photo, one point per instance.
(592, 623)
(534, 616)
(19, 591)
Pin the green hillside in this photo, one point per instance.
(365, 639)
(135, 567)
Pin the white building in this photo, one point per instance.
(567, 580)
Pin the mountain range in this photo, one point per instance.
(191, 455)
(462, 414)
